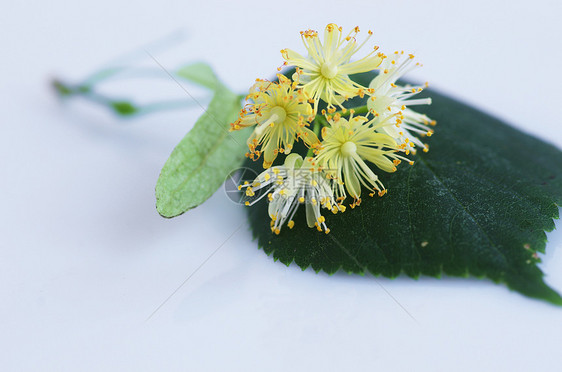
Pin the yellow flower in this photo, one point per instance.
(346, 147)
(297, 182)
(280, 114)
(391, 102)
(324, 73)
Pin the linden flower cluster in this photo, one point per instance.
(347, 146)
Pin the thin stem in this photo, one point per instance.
(316, 130)
(119, 107)
(359, 110)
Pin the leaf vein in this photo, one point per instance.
(472, 217)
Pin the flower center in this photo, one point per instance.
(348, 149)
(278, 114)
(328, 70)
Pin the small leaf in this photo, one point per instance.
(199, 73)
(205, 156)
(478, 203)
(124, 107)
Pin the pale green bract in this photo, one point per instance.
(200, 73)
(205, 156)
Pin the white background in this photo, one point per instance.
(85, 259)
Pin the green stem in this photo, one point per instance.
(119, 107)
(316, 130)
(359, 110)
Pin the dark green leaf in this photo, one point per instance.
(477, 204)
(205, 156)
